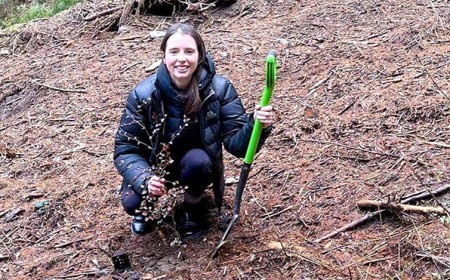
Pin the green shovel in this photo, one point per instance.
(252, 146)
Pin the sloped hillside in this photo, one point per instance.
(362, 112)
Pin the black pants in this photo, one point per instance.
(193, 171)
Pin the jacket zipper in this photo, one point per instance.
(202, 125)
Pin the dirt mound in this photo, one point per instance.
(362, 101)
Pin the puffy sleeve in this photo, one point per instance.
(132, 143)
(236, 124)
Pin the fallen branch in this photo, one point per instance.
(425, 194)
(400, 207)
(371, 215)
(102, 13)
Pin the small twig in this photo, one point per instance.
(128, 67)
(271, 222)
(422, 247)
(442, 260)
(14, 212)
(378, 34)
(438, 202)
(348, 106)
(316, 85)
(4, 212)
(351, 158)
(61, 89)
(439, 144)
(4, 257)
(198, 7)
(8, 234)
(297, 251)
(414, 160)
(350, 147)
(73, 241)
(35, 194)
(7, 152)
(271, 215)
(368, 261)
(438, 16)
(49, 234)
(93, 272)
(432, 79)
(244, 11)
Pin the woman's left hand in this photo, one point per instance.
(264, 114)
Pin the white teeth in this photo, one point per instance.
(182, 68)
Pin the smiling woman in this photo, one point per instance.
(172, 131)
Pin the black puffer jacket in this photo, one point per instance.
(222, 119)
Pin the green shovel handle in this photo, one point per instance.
(271, 65)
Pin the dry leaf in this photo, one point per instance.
(310, 113)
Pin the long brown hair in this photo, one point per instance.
(192, 101)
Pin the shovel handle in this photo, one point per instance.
(254, 140)
(271, 66)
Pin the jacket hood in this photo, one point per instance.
(207, 72)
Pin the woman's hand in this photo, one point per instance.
(156, 186)
(264, 114)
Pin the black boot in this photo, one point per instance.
(192, 224)
(139, 226)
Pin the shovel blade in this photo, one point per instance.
(225, 235)
(237, 205)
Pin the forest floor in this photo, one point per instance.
(362, 112)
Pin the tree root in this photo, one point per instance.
(119, 15)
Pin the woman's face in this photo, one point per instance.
(181, 58)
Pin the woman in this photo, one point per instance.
(186, 89)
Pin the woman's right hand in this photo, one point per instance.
(156, 186)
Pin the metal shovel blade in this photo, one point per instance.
(225, 235)
(237, 205)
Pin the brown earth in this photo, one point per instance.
(362, 109)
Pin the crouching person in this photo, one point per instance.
(185, 112)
